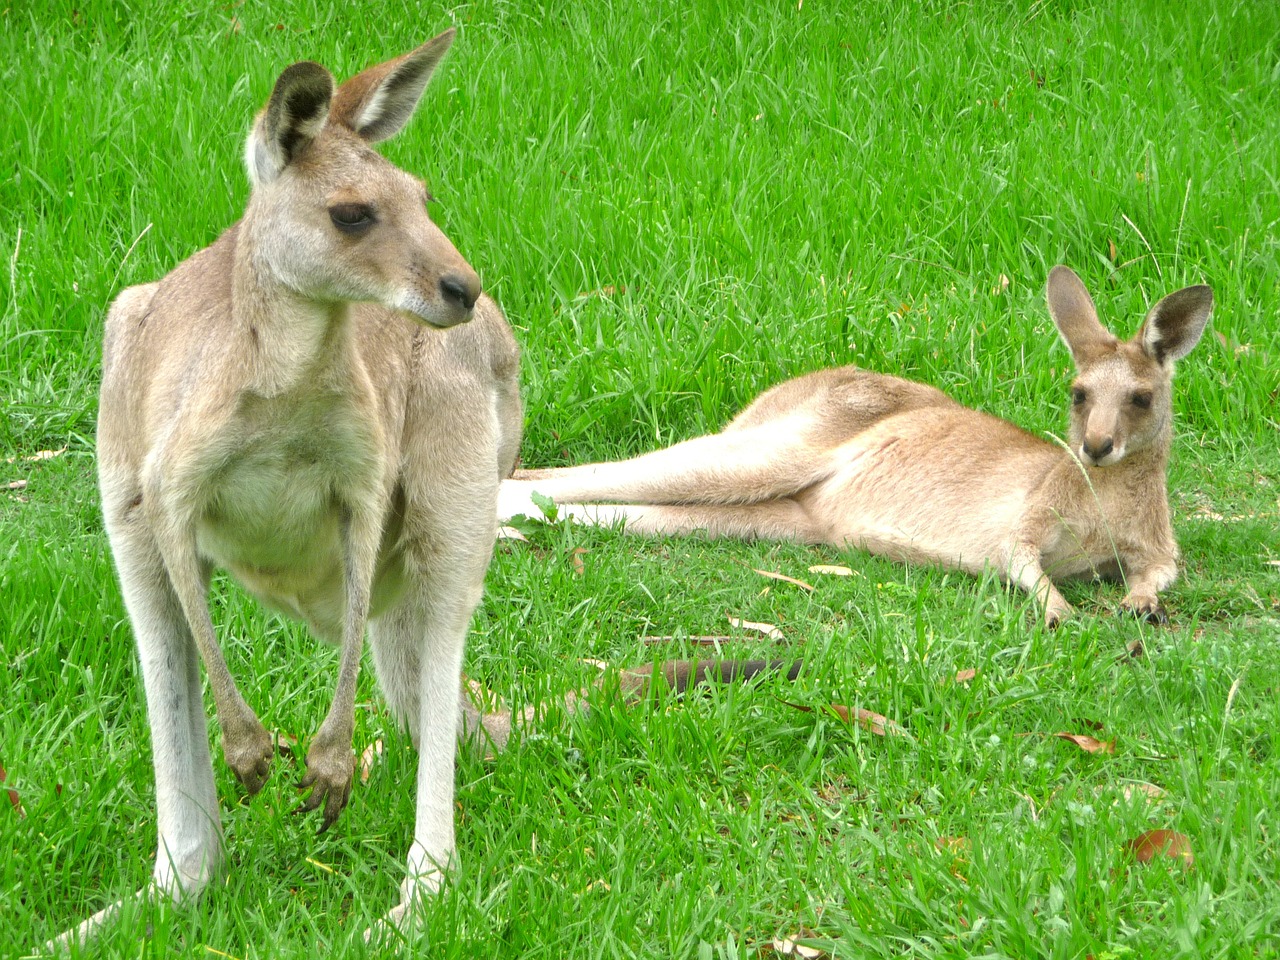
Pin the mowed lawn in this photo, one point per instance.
(679, 204)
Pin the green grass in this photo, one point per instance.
(767, 191)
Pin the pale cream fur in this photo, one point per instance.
(322, 403)
(846, 456)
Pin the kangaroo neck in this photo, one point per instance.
(290, 340)
(1150, 461)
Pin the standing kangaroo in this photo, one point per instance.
(898, 468)
(322, 403)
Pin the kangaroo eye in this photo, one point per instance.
(352, 217)
(1078, 396)
(1141, 400)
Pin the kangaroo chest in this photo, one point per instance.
(272, 510)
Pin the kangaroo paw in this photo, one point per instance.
(248, 750)
(331, 767)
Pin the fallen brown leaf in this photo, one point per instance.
(1133, 791)
(511, 533)
(285, 744)
(956, 845)
(608, 290)
(16, 485)
(42, 455)
(15, 800)
(789, 947)
(371, 755)
(1088, 744)
(774, 575)
(768, 629)
(697, 639)
(870, 721)
(964, 676)
(1155, 843)
(831, 570)
(579, 568)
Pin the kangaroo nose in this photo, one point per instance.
(1097, 451)
(460, 289)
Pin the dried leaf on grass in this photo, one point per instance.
(964, 676)
(1130, 792)
(579, 568)
(953, 845)
(831, 570)
(511, 533)
(371, 755)
(1088, 744)
(285, 744)
(870, 721)
(697, 639)
(608, 290)
(38, 455)
(768, 629)
(791, 947)
(14, 799)
(16, 485)
(1148, 846)
(774, 575)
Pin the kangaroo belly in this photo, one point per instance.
(919, 488)
(276, 526)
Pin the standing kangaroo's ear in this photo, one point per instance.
(1175, 323)
(377, 102)
(1075, 316)
(292, 118)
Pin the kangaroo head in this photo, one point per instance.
(1121, 399)
(331, 219)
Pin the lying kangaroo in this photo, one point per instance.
(322, 403)
(897, 468)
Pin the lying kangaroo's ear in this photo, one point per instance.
(292, 118)
(1074, 315)
(378, 101)
(1175, 323)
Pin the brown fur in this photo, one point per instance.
(848, 456)
(322, 403)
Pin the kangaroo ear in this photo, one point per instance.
(1074, 315)
(1174, 325)
(292, 118)
(377, 102)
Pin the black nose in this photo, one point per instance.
(1100, 450)
(460, 290)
